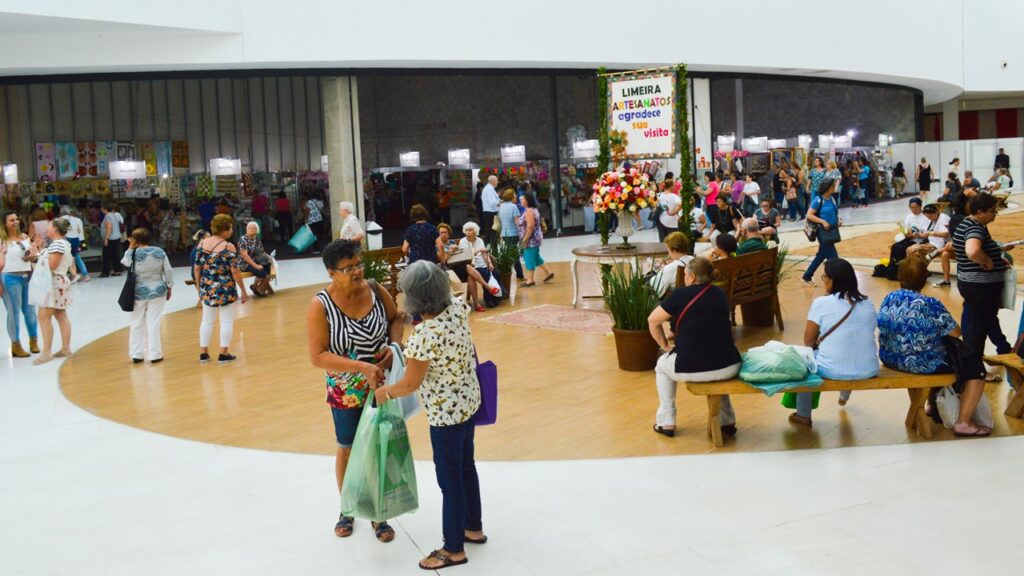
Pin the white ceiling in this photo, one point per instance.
(12, 24)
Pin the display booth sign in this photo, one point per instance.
(458, 157)
(642, 108)
(777, 143)
(323, 163)
(824, 141)
(884, 140)
(127, 170)
(10, 173)
(726, 143)
(804, 141)
(845, 141)
(412, 159)
(586, 148)
(758, 144)
(513, 154)
(225, 167)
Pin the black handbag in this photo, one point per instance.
(127, 298)
(829, 236)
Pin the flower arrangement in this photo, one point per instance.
(624, 189)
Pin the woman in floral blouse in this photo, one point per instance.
(911, 328)
(440, 367)
(349, 325)
(219, 282)
(153, 281)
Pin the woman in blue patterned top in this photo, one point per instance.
(911, 328)
(153, 280)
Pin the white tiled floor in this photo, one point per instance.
(84, 496)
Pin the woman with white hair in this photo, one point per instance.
(255, 260)
(153, 281)
(440, 368)
(351, 229)
(479, 274)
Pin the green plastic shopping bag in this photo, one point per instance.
(380, 482)
(789, 400)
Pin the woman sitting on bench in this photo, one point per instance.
(841, 329)
(911, 328)
(704, 350)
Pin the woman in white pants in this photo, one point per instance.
(219, 283)
(153, 281)
(704, 350)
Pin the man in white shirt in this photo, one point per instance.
(351, 229)
(938, 236)
(751, 195)
(489, 199)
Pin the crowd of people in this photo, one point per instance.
(910, 332)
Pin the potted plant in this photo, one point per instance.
(630, 299)
(505, 255)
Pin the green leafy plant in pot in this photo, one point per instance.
(505, 256)
(630, 299)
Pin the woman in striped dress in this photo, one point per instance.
(349, 325)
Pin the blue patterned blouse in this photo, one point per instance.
(153, 274)
(910, 330)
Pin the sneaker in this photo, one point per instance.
(942, 284)
(224, 358)
(204, 358)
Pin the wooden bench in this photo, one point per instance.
(917, 386)
(750, 281)
(1015, 372)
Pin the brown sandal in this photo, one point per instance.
(444, 557)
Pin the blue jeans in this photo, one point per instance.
(16, 303)
(456, 476)
(826, 251)
(76, 249)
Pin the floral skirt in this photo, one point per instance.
(60, 296)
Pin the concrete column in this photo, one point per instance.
(951, 120)
(344, 154)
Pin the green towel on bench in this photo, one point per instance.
(770, 388)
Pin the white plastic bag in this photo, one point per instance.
(408, 405)
(949, 406)
(1009, 289)
(41, 284)
(805, 352)
(949, 409)
(493, 283)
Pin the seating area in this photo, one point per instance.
(916, 385)
(751, 282)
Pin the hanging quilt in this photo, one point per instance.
(87, 160)
(149, 157)
(67, 160)
(104, 155)
(125, 151)
(179, 154)
(46, 164)
(163, 157)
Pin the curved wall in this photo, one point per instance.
(942, 47)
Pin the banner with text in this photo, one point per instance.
(642, 107)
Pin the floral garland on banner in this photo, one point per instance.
(626, 191)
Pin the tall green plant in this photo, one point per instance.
(505, 255)
(628, 296)
(686, 161)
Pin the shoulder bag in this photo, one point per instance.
(822, 337)
(127, 298)
(690, 303)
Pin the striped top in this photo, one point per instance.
(355, 339)
(968, 270)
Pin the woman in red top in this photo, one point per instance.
(283, 214)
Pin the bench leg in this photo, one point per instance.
(714, 421)
(916, 415)
(1016, 407)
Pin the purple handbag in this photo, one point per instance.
(487, 374)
